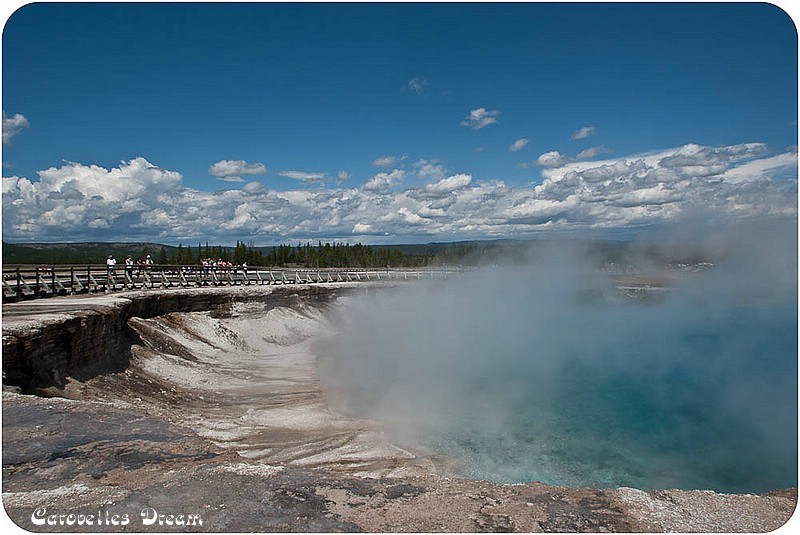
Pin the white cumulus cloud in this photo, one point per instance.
(584, 132)
(591, 152)
(384, 161)
(141, 201)
(362, 228)
(551, 159)
(302, 176)
(433, 169)
(12, 126)
(518, 145)
(480, 117)
(234, 170)
(449, 184)
(384, 182)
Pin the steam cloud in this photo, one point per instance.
(542, 371)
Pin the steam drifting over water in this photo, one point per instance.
(544, 372)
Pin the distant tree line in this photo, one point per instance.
(341, 255)
(327, 255)
(344, 255)
(321, 255)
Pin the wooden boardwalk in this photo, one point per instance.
(29, 282)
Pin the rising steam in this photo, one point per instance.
(546, 371)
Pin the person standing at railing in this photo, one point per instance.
(110, 263)
(129, 266)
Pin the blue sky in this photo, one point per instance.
(392, 122)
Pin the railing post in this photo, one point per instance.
(72, 280)
(19, 284)
(36, 272)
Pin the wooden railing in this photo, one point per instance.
(29, 282)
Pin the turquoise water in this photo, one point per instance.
(709, 403)
(532, 382)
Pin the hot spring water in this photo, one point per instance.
(528, 374)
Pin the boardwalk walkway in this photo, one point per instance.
(28, 282)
